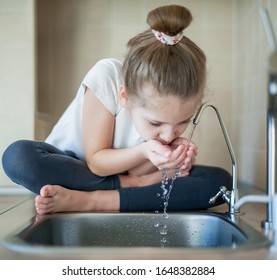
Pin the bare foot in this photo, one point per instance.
(55, 198)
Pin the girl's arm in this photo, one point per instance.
(147, 167)
(98, 130)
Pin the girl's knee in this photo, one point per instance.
(214, 176)
(220, 177)
(15, 157)
(9, 157)
(223, 175)
(15, 149)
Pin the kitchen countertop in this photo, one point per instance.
(9, 202)
(15, 211)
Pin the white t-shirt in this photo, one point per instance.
(104, 80)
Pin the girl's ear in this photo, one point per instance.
(123, 97)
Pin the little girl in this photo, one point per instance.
(124, 127)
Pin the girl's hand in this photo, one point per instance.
(191, 153)
(157, 153)
(177, 155)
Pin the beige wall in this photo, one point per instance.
(249, 93)
(73, 35)
(17, 73)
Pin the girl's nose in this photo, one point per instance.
(167, 136)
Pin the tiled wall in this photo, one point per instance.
(17, 70)
(73, 35)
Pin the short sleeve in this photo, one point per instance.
(104, 80)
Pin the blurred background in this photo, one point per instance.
(47, 46)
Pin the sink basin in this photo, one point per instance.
(87, 232)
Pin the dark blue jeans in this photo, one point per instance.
(34, 164)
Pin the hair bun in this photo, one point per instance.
(170, 20)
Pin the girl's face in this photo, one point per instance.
(163, 118)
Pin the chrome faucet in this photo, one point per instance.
(230, 197)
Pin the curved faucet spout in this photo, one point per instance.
(234, 191)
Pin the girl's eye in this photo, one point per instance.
(186, 122)
(155, 124)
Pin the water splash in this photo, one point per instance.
(167, 188)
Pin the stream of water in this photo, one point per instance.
(167, 186)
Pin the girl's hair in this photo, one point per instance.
(178, 69)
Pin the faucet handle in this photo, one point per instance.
(222, 192)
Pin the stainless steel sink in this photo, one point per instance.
(74, 233)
